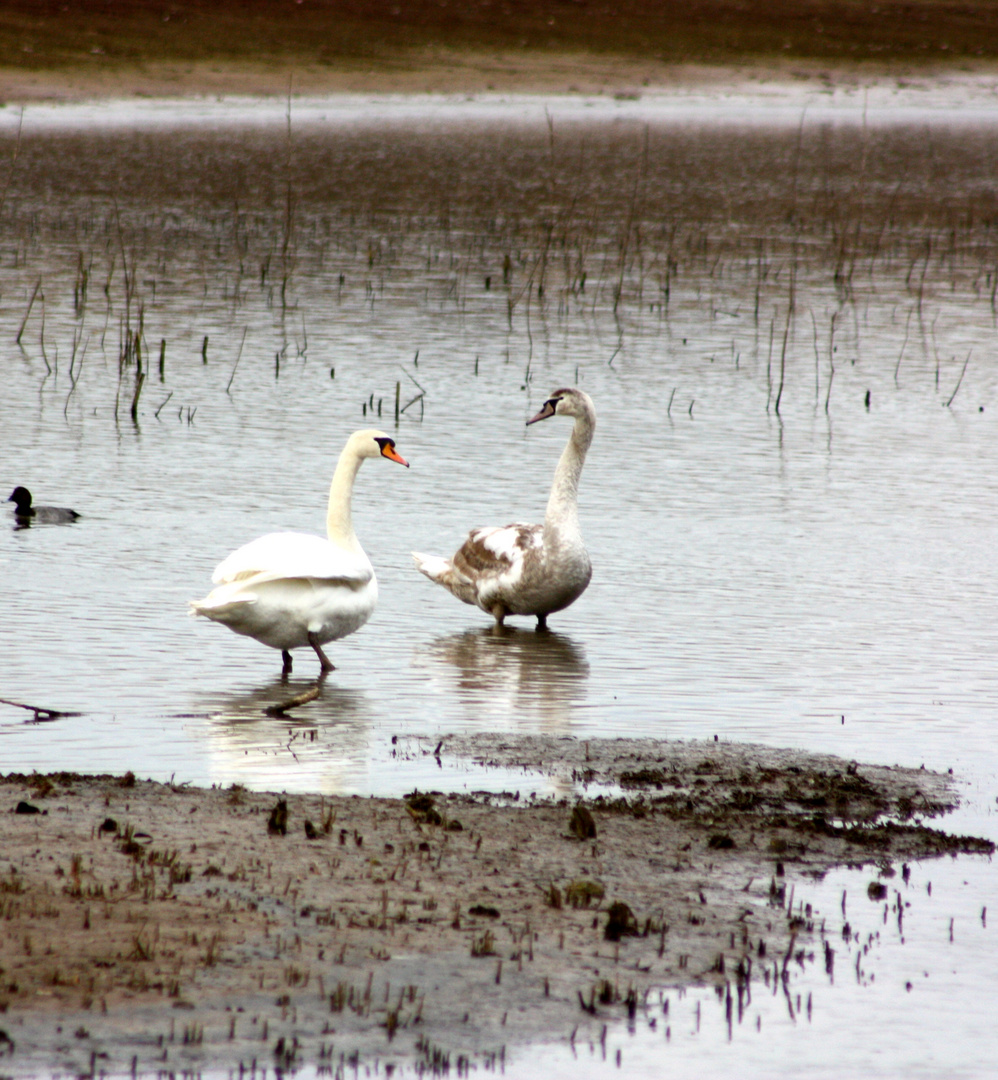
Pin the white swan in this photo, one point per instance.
(288, 589)
(529, 569)
(26, 514)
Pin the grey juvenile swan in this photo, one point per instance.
(529, 569)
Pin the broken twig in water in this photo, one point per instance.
(41, 714)
(140, 379)
(897, 366)
(412, 401)
(228, 385)
(408, 376)
(960, 380)
(31, 304)
(299, 699)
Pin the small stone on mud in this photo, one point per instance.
(581, 893)
(581, 824)
(422, 809)
(277, 824)
(620, 922)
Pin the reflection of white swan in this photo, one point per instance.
(289, 590)
(514, 673)
(529, 569)
(320, 746)
(252, 707)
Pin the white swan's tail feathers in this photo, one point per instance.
(220, 601)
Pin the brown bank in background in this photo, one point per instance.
(148, 926)
(62, 50)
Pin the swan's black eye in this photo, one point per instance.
(383, 442)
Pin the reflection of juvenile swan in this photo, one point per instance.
(515, 669)
(529, 569)
(289, 590)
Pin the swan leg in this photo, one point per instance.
(286, 657)
(499, 614)
(542, 622)
(323, 659)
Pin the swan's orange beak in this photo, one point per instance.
(388, 450)
(548, 409)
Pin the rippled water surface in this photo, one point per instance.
(790, 502)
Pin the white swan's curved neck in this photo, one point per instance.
(339, 523)
(563, 505)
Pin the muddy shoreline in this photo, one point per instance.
(458, 73)
(329, 46)
(149, 926)
(442, 74)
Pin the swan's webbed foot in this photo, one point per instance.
(286, 657)
(324, 661)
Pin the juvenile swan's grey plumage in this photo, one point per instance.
(529, 569)
(288, 589)
(43, 515)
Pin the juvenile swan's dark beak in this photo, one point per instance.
(547, 409)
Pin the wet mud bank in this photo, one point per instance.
(150, 927)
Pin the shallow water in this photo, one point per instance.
(818, 576)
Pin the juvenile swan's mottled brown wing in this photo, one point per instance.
(493, 558)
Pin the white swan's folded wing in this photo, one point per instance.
(293, 555)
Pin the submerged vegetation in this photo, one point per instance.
(779, 254)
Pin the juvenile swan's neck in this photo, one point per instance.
(563, 506)
(339, 524)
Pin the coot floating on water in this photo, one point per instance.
(45, 515)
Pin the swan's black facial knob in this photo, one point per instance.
(388, 450)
